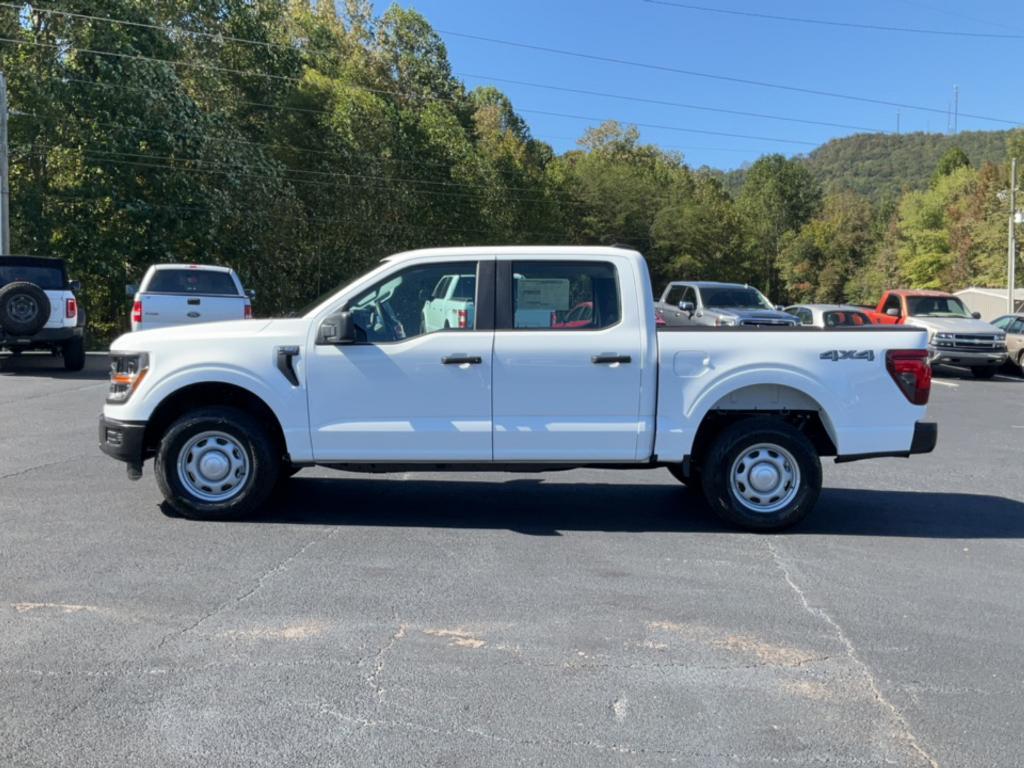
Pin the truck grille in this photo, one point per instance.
(974, 342)
(766, 321)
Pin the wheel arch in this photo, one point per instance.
(789, 403)
(210, 393)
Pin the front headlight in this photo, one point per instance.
(730, 321)
(943, 339)
(127, 370)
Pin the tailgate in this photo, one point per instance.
(164, 309)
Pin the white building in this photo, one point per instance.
(990, 302)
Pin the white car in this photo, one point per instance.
(830, 315)
(187, 294)
(227, 410)
(39, 310)
(450, 304)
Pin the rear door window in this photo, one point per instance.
(198, 281)
(465, 288)
(569, 295)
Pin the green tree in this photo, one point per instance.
(953, 158)
(818, 262)
(779, 195)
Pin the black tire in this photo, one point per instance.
(985, 372)
(726, 454)
(1020, 362)
(24, 308)
(250, 438)
(74, 354)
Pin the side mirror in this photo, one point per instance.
(338, 328)
(892, 312)
(74, 286)
(687, 306)
(250, 293)
(976, 315)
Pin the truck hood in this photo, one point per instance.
(953, 325)
(142, 341)
(754, 314)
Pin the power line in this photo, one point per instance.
(661, 102)
(135, 57)
(671, 128)
(713, 76)
(827, 23)
(228, 38)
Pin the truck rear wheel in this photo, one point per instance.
(216, 463)
(761, 474)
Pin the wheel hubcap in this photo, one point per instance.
(213, 466)
(765, 478)
(22, 309)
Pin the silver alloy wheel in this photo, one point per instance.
(213, 466)
(22, 308)
(765, 478)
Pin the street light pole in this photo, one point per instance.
(5, 191)
(1011, 276)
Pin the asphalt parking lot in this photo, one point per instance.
(569, 619)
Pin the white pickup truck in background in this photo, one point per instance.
(450, 304)
(743, 413)
(186, 294)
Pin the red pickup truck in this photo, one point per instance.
(956, 336)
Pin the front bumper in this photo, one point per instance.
(123, 440)
(926, 436)
(42, 338)
(964, 358)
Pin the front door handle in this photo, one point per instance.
(461, 360)
(609, 359)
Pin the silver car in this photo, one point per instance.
(718, 304)
(830, 315)
(1014, 327)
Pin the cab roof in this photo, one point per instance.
(919, 292)
(507, 251)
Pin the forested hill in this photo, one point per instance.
(880, 165)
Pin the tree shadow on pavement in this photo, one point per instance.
(540, 506)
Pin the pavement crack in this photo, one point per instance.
(379, 659)
(64, 460)
(903, 726)
(260, 582)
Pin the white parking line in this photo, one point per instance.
(1006, 378)
(952, 384)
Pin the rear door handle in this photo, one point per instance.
(609, 359)
(461, 360)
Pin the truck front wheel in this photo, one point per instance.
(216, 463)
(761, 474)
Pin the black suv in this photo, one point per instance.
(38, 309)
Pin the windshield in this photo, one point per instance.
(936, 306)
(735, 298)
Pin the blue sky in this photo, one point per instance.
(914, 69)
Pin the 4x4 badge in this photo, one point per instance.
(835, 355)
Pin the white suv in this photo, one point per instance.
(38, 309)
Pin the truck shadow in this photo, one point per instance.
(47, 366)
(537, 508)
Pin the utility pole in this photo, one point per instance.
(897, 122)
(956, 107)
(5, 190)
(1011, 277)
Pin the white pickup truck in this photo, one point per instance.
(187, 294)
(227, 410)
